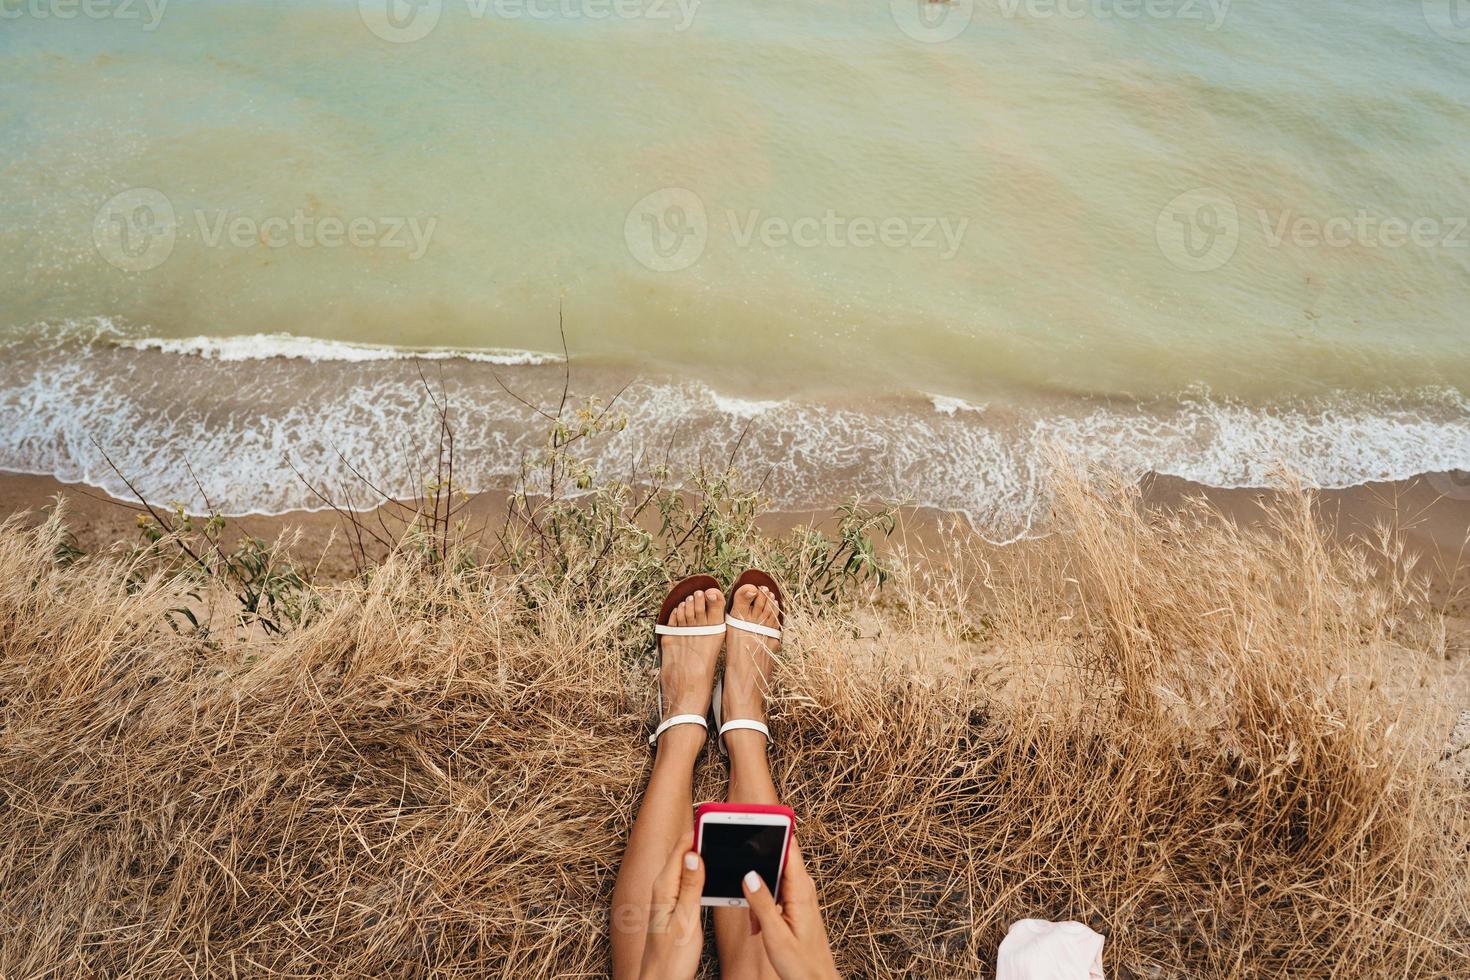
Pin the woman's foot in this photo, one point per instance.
(688, 673)
(749, 664)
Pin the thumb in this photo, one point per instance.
(763, 907)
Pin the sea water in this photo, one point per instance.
(905, 248)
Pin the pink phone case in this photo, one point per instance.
(784, 811)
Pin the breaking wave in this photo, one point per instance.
(150, 405)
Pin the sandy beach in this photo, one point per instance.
(1433, 526)
(1434, 523)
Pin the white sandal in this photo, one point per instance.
(757, 578)
(680, 592)
(735, 724)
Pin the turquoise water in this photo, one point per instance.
(1208, 241)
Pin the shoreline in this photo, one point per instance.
(1431, 511)
(226, 435)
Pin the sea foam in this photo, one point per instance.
(949, 405)
(259, 347)
(247, 432)
(744, 408)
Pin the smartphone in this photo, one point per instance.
(737, 838)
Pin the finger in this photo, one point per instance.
(666, 885)
(795, 882)
(802, 907)
(691, 882)
(755, 924)
(763, 908)
(795, 863)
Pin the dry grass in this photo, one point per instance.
(1170, 728)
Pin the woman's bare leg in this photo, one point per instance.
(688, 680)
(748, 669)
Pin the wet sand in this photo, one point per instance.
(1431, 512)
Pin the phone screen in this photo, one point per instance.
(732, 849)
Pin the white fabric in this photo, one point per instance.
(668, 723)
(690, 630)
(745, 724)
(741, 624)
(1035, 949)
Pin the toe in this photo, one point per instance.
(715, 606)
(676, 616)
(770, 608)
(746, 599)
(697, 609)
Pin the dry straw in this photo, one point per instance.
(1168, 727)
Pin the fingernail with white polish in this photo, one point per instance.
(752, 881)
(691, 860)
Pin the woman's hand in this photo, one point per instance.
(675, 933)
(793, 934)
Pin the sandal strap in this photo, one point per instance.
(668, 723)
(745, 724)
(714, 630)
(741, 624)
